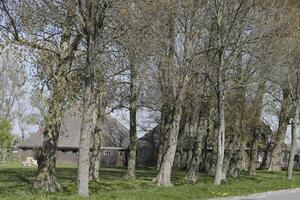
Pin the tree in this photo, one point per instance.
(201, 129)
(176, 69)
(283, 65)
(54, 43)
(134, 22)
(92, 15)
(227, 36)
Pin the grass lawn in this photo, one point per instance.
(16, 183)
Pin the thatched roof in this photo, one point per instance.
(114, 134)
(150, 140)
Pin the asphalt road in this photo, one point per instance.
(293, 194)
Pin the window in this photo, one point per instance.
(296, 158)
(121, 153)
(107, 153)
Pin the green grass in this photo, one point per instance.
(16, 184)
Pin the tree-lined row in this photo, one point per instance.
(212, 69)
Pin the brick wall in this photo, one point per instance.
(109, 158)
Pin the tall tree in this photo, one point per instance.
(56, 49)
(91, 14)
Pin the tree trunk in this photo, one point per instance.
(266, 159)
(255, 126)
(160, 149)
(294, 135)
(183, 157)
(205, 148)
(96, 149)
(229, 155)
(193, 170)
(88, 120)
(132, 132)
(254, 153)
(167, 92)
(46, 178)
(166, 126)
(240, 143)
(161, 138)
(276, 152)
(96, 137)
(221, 144)
(163, 177)
(221, 122)
(213, 154)
(237, 166)
(95, 13)
(87, 126)
(99, 90)
(97, 133)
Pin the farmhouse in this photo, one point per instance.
(148, 145)
(114, 141)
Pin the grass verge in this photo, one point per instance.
(16, 184)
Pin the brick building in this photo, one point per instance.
(114, 141)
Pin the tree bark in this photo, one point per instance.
(220, 94)
(94, 15)
(276, 151)
(132, 132)
(266, 159)
(254, 153)
(221, 122)
(255, 126)
(96, 136)
(193, 170)
(294, 135)
(183, 157)
(99, 90)
(167, 93)
(214, 152)
(88, 123)
(46, 178)
(96, 148)
(229, 155)
(166, 126)
(205, 148)
(221, 144)
(240, 141)
(237, 166)
(163, 177)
